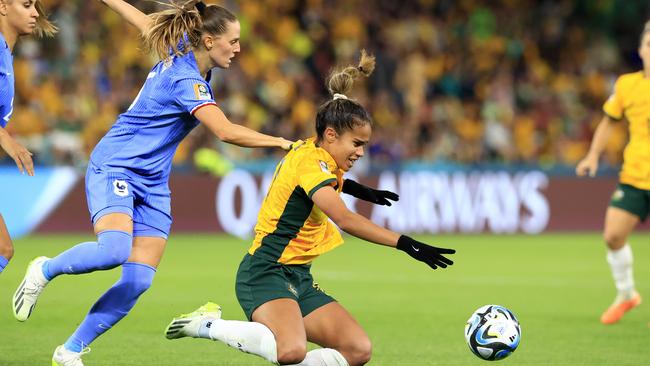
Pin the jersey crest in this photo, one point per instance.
(324, 167)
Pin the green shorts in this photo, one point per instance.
(261, 280)
(631, 199)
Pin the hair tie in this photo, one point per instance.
(339, 96)
(200, 6)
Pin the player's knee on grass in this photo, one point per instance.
(291, 353)
(357, 351)
(116, 246)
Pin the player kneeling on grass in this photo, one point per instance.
(274, 285)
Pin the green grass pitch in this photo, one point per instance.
(557, 284)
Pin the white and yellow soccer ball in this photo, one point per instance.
(492, 332)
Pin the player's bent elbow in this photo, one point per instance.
(223, 135)
(343, 225)
(345, 221)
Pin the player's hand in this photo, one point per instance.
(286, 145)
(365, 193)
(588, 165)
(433, 256)
(19, 153)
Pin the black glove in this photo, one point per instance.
(368, 194)
(433, 256)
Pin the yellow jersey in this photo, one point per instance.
(290, 228)
(631, 99)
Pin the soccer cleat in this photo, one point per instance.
(190, 325)
(63, 357)
(616, 311)
(30, 288)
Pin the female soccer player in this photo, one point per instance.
(17, 18)
(630, 202)
(274, 285)
(128, 172)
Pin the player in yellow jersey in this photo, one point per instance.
(630, 202)
(274, 284)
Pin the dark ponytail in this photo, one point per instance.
(200, 6)
(343, 114)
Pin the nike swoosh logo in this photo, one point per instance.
(416, 249)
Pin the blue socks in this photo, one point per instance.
(111, 249)
(113, 305)
(3, 263)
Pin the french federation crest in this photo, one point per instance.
(120, 188)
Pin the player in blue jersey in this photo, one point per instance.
(17, 18)
(126, 181)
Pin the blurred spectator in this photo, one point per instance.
(456, 81)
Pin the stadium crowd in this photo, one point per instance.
(508, 81)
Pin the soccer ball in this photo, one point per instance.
(492, 332)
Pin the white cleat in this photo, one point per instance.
(195, 324)
(63, 357)
(30, 288)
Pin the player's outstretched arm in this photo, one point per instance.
(365, 193)
(589, 164)
(352, 223)
(130, 13)
(18, 152)
(226, 131)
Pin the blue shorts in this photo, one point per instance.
(148, 205)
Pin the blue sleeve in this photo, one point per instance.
(192, 94)
(6, 100)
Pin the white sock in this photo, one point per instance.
(324, 357)
(249, 337)
(620, 261)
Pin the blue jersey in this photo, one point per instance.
(6, 82)
(142, 143)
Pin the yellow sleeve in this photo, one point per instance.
(613, 107)
(313, 174)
